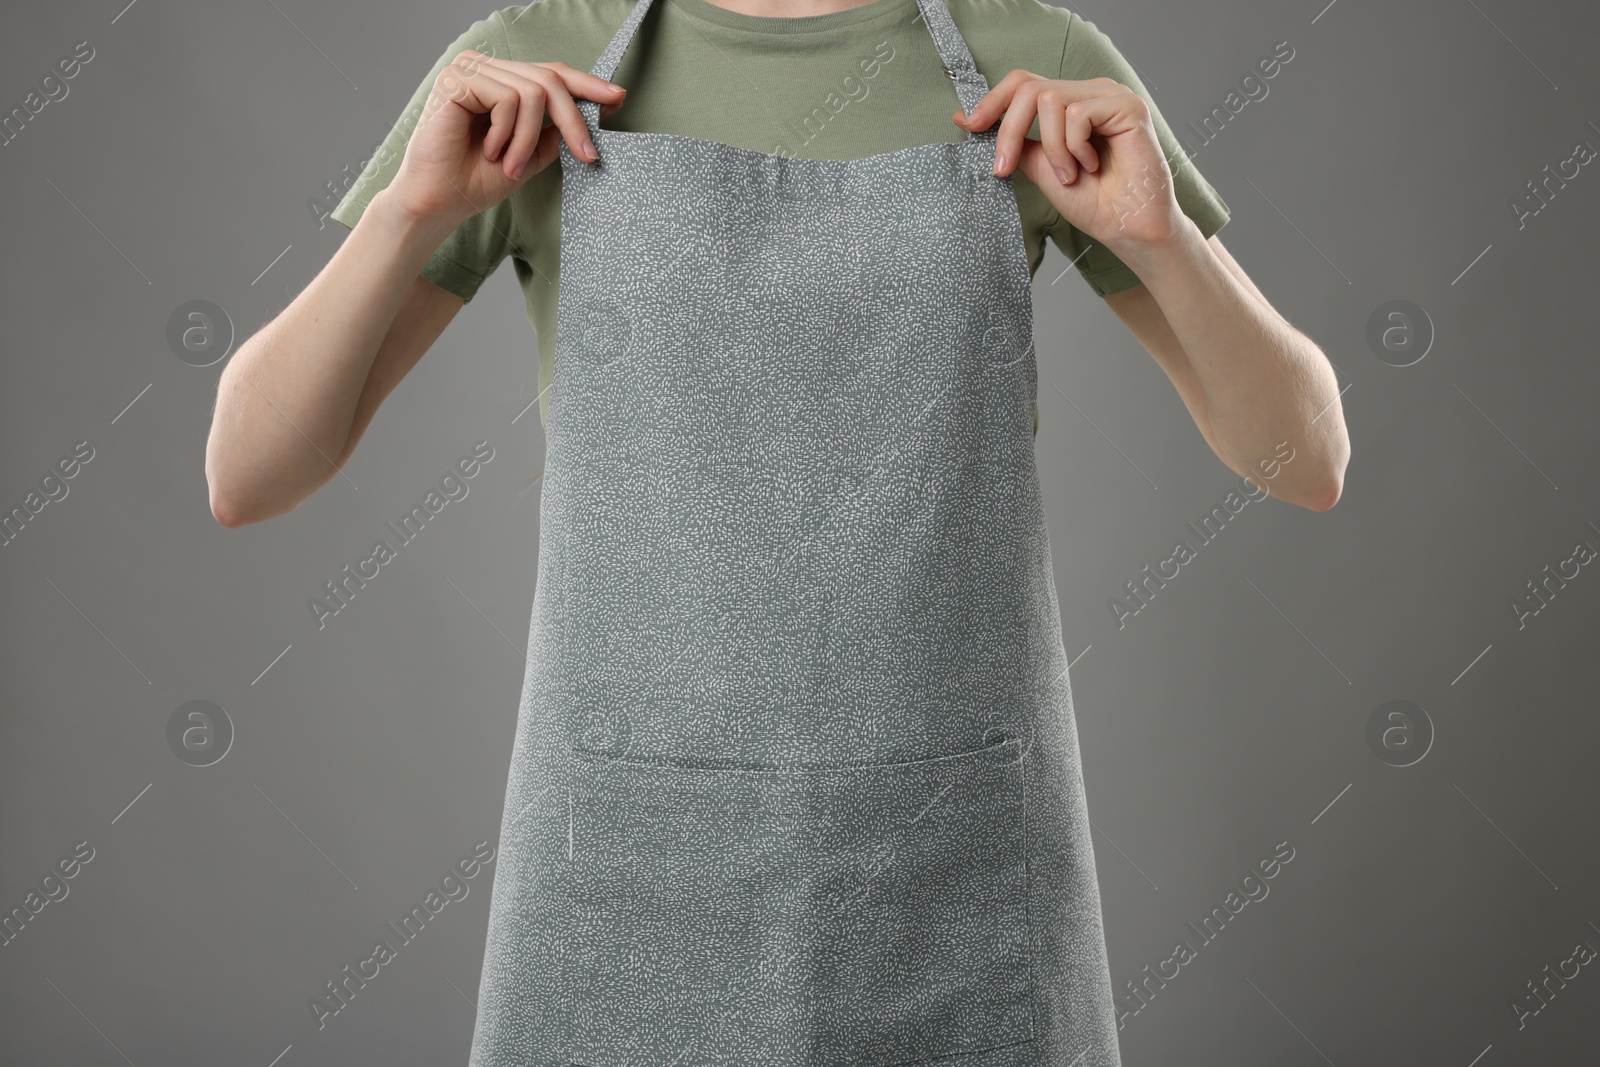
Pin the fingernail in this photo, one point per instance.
(1061, 172)
(999, 162)
(588, 149)
(516, 171)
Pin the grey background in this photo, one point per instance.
(1228, 716)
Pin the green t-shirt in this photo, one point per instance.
(787, 86)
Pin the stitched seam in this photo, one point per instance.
(1061, 66)
(1107, 272)
(477, 275)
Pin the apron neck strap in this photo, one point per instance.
(970, 83)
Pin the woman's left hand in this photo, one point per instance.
(1114, 186)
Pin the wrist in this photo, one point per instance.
(411, 228)
(1147, 256)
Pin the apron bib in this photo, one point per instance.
(795, 780)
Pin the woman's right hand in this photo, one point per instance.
(482, 133)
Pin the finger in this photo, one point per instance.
(545, 150)
(577, 84)
(564, 113)
(513, 142)
(1014, 125)
(529, 127)
(543, 93)
(994, 103)
(1038, 168)
(466, 83)
(1106, 114)
(1052, 137)
(580, 83)
(539, 92)
(561, 83)
(1076, 128)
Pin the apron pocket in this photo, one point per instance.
(852, 916)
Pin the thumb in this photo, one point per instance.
(1036, 165)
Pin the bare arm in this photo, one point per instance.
(1259, 380)
(299, 393)
(1143, 315)
(296, 397)
(1251, 380)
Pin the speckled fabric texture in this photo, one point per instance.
(796, 779)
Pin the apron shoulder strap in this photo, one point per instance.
(971, 85)
(606, 65)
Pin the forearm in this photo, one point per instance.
(287, 399)
(1263, 381)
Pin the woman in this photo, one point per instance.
(795, 779)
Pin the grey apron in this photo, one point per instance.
(795, 780)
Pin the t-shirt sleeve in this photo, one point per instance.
(1089, 53)
(479, 244)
